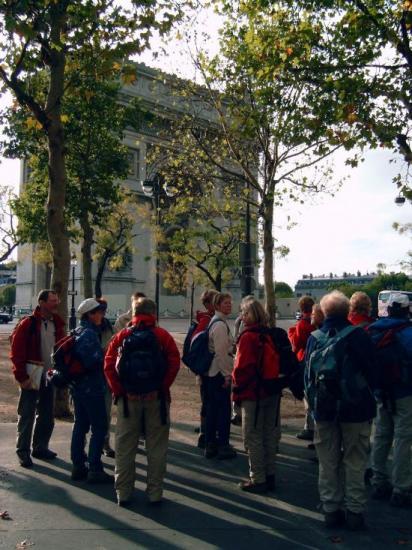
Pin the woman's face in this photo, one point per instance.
(96, 317)
(247, 317)
(225, 306)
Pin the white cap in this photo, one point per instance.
(88, 305)
(398, 300)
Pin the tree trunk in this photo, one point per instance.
(268, 268)
(99, 277)
(87, 261)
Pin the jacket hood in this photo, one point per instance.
(359, 318)
(202, 315)
(337, 323)
(148, 320)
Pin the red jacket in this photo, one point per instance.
(26, 346)
(203, 319)
(246, 362)
(359, 319)
(299, 334)
(167, 345)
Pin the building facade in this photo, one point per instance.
(318, 286)
(154, 91)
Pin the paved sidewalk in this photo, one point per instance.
(203, 508)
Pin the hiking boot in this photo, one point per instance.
(109, 452)
(99, 477)
(44, 454)
(211, 450)
(25, 460)
(306, 435)
(250, 487)
(270, 482)
(79, 473)
(354, 521)
(401, 500)
(334, 519)
(226, 452)
(382, 492)
(201, 441)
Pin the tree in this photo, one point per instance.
(41, 37)
(8, 295)
(267, 126)
(8, 234)
(283, 290)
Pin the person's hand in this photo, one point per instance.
(26, 384)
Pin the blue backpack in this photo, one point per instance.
(142, 366)
(188, 341)
(199, 358)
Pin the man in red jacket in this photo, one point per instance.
(298, 336)
(135, 408)
(33, 342)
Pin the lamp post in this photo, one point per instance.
(72, 293)
(152, 188)
(247, 280)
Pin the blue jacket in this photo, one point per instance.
(362, 362)
(396, 391)
(89, 351)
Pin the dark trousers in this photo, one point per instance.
(35, 408)
(89, 414)
(218, 411)
(202, 388)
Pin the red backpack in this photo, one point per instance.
(66, 367)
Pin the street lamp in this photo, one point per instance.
(72, 293)
(152, 188)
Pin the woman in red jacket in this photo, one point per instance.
(256, 362)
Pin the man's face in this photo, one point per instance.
(50, 306)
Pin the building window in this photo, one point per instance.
(133, 158)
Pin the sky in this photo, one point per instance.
(348, 232)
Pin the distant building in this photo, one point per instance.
(318, 286)
(7, 275)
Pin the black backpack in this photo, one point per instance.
(141, 366)
(188, 341)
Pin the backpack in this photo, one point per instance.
(66, 367)
(141, 366)
(199, 358)
(326, 388)
(32, 329)
(188, 340)
(394, 365)
(290, 370)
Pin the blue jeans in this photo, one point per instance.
(89, 414)
(218, 411)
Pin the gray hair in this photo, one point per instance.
(335, 304)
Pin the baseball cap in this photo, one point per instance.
(88, 305)
(396, 299)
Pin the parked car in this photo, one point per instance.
(298, 315)
(5, 318)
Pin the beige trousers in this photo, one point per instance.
(343, 450)
(393, 427)
(261, 441)
(127, 441)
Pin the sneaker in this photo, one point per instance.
(124, 502)
(354, 521)
(79, 473)
(306, 435)
(236, 420)
(382, 492)
(400, 500)
(334, 519)
(201, 441)
(25, 460)
(226, 452)
(44, 454)
(211, 450)
(250, 487)
(270, 482)
(109, 452)
(99, 477)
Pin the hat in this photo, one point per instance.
(88, 305)
(398, 300)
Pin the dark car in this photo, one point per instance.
(5, 318)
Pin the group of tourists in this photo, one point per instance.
(344, 365)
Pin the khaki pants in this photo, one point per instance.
(261, 441)
(393, 427)
(343, 449)
(127, 441)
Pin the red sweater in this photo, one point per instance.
(167, 345)
(26, 344)
(246, 362)
(203, 319)
(299, 335)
